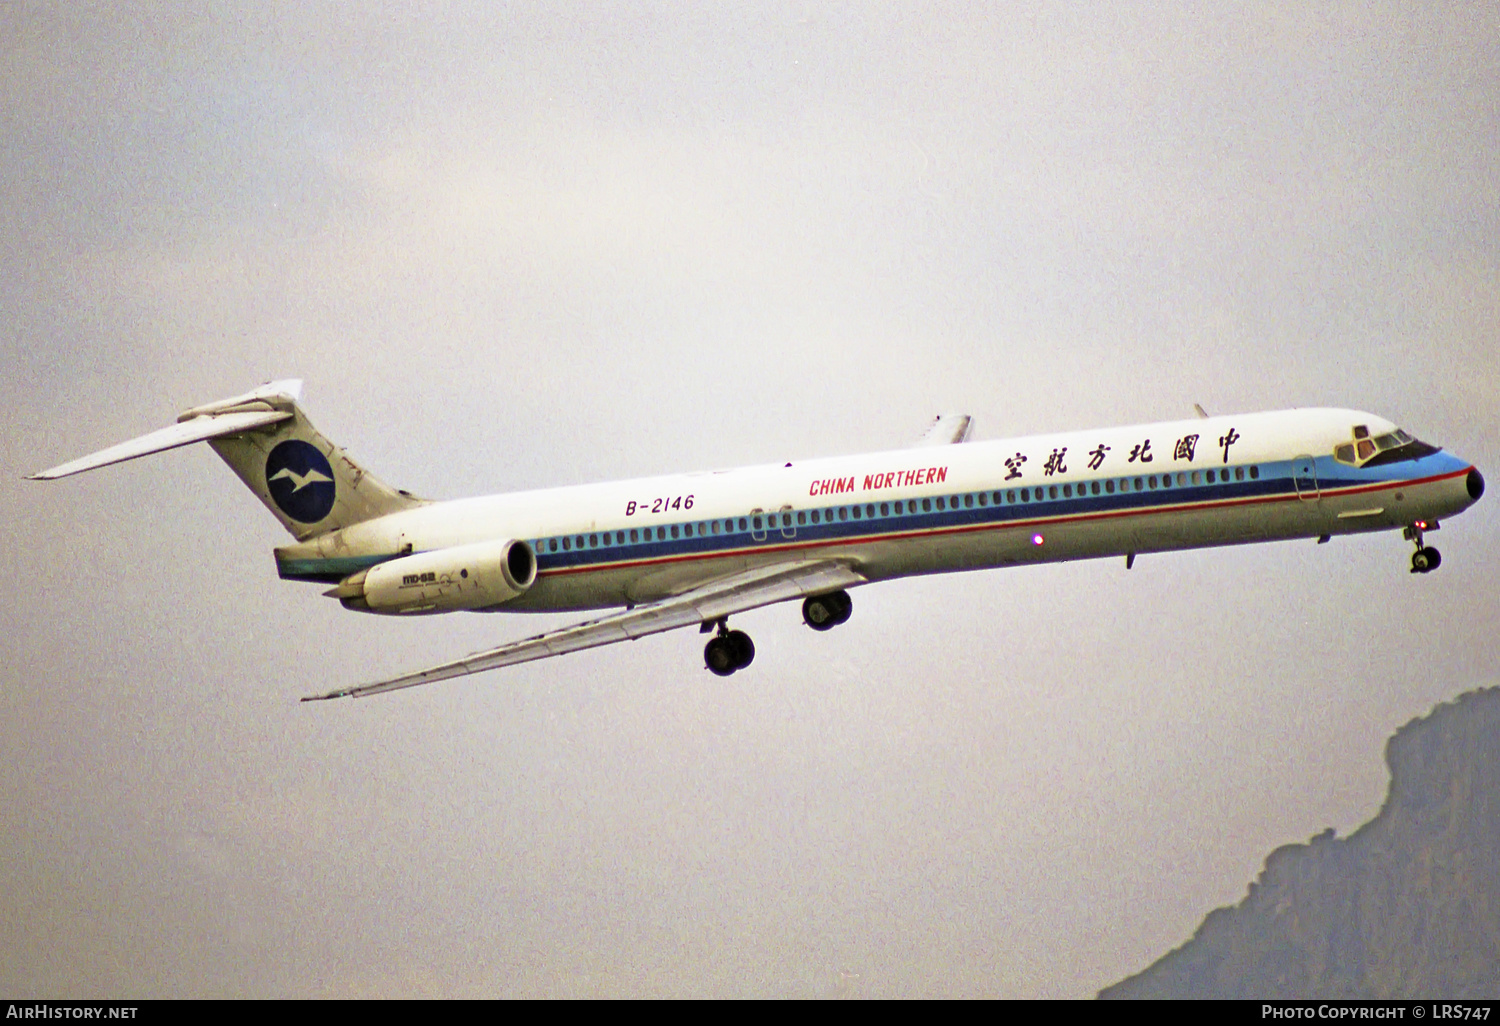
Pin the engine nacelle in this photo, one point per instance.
(462, 577)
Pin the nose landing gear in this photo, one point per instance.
(1426, 559)
(728, 651)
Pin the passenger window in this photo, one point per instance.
(1124, 484)
(1025, 495)
(1067, 491)
(1181, 479)
(1109, 486)
(1254, 472)
(593, 541)
(1151, 482)
(1094, 487)
(856, 512)
(1138, 484)
(674, 530)
(1239, 473)
(1052, 492)
(939, 502)
(816, 517)
(968, 502)
(984, 498)
(1010, 495)
(870, 510)
(567, 545)
(801, 518)
(1197, 477)
(843, 512)
(553, 545)
(742, 523)
(885, 509)
(898, 509)
(715, 526)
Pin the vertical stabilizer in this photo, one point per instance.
(311, 485)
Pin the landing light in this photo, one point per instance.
(1421, 525)
(1036, 539)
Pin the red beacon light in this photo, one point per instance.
(1036, 539)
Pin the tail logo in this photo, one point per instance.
(300, 481)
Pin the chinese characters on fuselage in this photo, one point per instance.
(1185, 449)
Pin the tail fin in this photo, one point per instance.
(307, 482)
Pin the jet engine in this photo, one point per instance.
(462, 577)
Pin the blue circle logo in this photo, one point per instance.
(301, 481)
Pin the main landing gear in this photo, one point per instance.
(728, 651)
(824, 612)
(1426, 559)
(731, 650)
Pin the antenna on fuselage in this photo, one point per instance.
(1201, 411)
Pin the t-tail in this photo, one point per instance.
(308, 483)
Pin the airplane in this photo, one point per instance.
(694, 549)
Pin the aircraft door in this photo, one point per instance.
(787, 528)
(757, 525)
(1305, 477)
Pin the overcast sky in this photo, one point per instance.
(516, 248)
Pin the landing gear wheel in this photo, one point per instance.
(720, 657)
(846, 606)
(744, 648)
(730, 651)
(1426, 560)
(821, 612)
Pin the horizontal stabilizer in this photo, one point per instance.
(197, 429)
(948, 429)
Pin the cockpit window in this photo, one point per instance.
(1393, 447)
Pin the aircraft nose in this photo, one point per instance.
(1475, 481)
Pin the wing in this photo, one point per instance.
(705, 604)
(947, 429)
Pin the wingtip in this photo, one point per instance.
(324, 698)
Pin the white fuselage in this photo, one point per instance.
(1077, 495)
